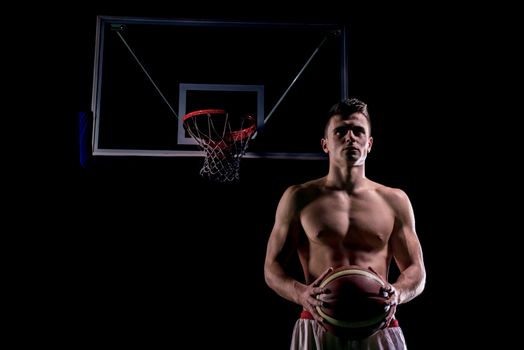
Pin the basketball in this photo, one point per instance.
(355, 306)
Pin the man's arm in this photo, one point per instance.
(283, 242)
(406, 250)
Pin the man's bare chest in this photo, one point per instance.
(348, 219)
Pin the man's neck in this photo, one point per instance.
(348, 178)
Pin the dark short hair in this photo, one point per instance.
(347, 107)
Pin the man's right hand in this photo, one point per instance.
(309, 297)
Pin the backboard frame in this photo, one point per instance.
(184, 87)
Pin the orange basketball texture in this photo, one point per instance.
(355, 306)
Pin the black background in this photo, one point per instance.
(142, 252)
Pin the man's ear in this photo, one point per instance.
(370, 143)
(323, 143)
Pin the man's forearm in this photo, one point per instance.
(282, 284)
(410, 283)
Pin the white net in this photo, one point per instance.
(223, 140)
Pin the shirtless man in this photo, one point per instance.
(341, 219)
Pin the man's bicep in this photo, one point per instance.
(406, 248)
(284, 235)
(405, 242)
(283, 241)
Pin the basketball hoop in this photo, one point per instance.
(223, 139)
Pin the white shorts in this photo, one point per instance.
(308, 335)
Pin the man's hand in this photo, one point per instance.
(390, 293)
(309, 297)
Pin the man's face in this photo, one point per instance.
(348, 138)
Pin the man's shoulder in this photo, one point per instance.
(315, 183)
(387, 191)
(393, 195)
(305, 187)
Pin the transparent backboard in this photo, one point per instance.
(150, 72)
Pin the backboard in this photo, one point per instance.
(150, 72)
